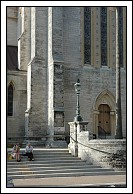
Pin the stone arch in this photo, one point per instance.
(11, 83)
(107, 98)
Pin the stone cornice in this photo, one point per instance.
(19, 72)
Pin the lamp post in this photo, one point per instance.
(77, 90)
(77, 118)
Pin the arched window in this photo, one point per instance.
(104, 36)
(87, 35)
(10, 100)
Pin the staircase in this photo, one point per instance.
(54, 163)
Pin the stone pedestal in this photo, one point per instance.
(75, 129)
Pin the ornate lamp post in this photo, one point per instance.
(77, 118)
(77, 90)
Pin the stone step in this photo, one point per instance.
(51, 156)
(63, 174)
(54, 163)
(42, 167)
(39, 153)
(48, 171)
(42, 164)
(45, 161)
(44, 150)
(48, 159)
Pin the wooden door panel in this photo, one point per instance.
(104, 117)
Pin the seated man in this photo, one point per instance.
(29, 152)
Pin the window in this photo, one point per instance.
(87, 35)
(104, 36)
(10, 100)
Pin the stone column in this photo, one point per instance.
(56, 128)
(24, 38)
(95, 122)
(36, 113)
(118, 132)
(112, 121)
(50, 130)
(124, 37)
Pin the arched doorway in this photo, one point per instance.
(104, 120)
(104, 114)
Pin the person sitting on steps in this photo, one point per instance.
(29, 152)
(16, 152)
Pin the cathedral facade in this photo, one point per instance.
(48, 50)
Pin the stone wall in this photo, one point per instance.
(109, 153)
(93, 81)
(94, 78)
(12, 16)
(16, 123)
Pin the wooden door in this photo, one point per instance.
(104, 118)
